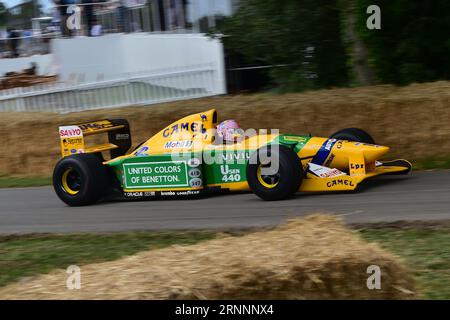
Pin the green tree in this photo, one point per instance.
(413, 44)
(302, 34)
(327, 43)
(361, 72)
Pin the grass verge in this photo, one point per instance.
(21, 182)
(426, 252)
(432, 163)
(30, 255)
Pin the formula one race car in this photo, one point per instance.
(185, 160)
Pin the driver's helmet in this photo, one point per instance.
(229, 130)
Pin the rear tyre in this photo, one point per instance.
(279, 182)
(80, 179)
(353, 134)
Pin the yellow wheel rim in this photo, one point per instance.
(66, 184)
(263, 182)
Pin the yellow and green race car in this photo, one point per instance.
(185, 159)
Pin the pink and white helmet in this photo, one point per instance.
(229, 130)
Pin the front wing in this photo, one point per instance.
(346, 182)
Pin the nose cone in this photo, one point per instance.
(374, 152)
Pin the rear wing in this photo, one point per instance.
(119, 137)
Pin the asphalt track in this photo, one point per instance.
(420, 196)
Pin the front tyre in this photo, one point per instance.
(80, 179)
(274, 173)
(353, 134)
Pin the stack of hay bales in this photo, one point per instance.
(313, 258)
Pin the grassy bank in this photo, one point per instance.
(29, 255)
(434, 164)
(21, 182)
(426, 252)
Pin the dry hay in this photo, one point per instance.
(311, 258)
(413, 120)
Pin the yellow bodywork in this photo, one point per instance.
(357, 159)
(72, 137)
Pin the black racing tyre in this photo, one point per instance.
(80, 179)
(281, 182)
(353, 134)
